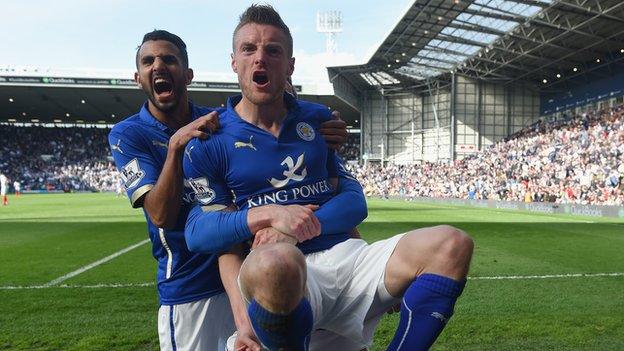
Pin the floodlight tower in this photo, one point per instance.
(330, 23)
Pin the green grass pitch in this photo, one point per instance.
(113, 305)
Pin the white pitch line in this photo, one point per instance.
(64, 286)
(132, 285)
(549, 276)
(95, 264)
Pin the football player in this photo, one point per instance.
(280, 180)
(148, 149)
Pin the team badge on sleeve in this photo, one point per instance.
(305, 131)
(131, 174)
(203, 193)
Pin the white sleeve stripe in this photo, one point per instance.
(163, 240)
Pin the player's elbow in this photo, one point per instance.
(194, 242)
(194, 245)
(165, 222)
(361, 210)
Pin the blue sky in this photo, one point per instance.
(72, 34)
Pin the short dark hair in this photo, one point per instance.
(159, 34)
(263, 14)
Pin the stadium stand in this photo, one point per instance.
(576, 160)
(351, 149)
(57, 159)
(579, 159)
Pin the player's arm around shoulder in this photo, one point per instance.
(334, 131)
(163, 202)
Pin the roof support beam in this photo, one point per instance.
(496, 15)
(410, 25)
(587, 48)
(587, 10)
(564, 57)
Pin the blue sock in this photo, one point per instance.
(426, 307)
(278, 331)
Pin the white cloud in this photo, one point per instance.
(313, 67)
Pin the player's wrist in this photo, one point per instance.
(260, 217)
(175, 146)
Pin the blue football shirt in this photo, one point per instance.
(249, 166)
(139, 148)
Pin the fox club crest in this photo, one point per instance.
(305, 131)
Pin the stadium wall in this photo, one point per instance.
(538, 207)
(444, 122)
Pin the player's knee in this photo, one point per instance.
(456, 245)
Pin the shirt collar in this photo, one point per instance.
(291, 103)
(147, 117)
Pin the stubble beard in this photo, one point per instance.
(163, 107)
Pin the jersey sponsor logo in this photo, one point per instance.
(240, 144)
(305, 131)
(117, 147)
(160, 143)
(203, 193)
(319, 189)
(131, 174)
(291, 172)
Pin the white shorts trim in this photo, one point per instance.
(321, 340)
(346, 287)
(199, 325)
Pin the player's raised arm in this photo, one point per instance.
(162, 202)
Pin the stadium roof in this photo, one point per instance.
(49, 97)
(503, 40)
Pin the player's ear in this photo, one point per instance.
(189, 76)
(137, 79)
(233, 63)
(291, 66)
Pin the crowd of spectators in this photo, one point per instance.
(576, 160)
(351, 148)
(57, 159)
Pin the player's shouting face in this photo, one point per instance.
(262, 60)
(162, 74)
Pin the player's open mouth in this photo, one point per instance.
(163, 87)
(261, 78)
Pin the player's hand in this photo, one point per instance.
(296, 220)
(246, 340)
(199, 128)
(334, 131)
(270, 235)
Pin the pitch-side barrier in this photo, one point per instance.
(540, 207)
